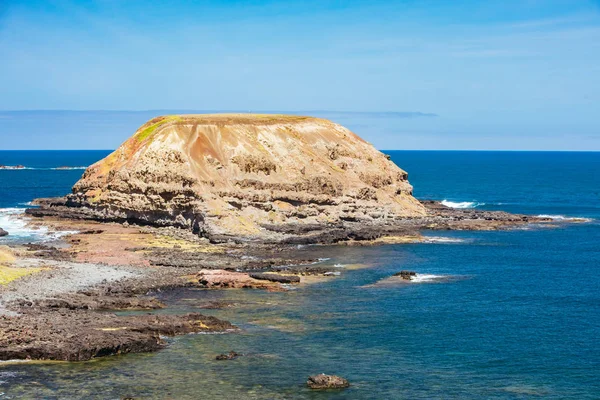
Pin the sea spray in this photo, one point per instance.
(461, 204)
(12, 220)
(564, 218)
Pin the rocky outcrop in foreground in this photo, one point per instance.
(244, 176)
(69, 335)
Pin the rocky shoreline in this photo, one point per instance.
(207, 201)
(438, 217)
(61, 310)
(60, 305)
(77, 335)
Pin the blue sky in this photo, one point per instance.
(498, 74)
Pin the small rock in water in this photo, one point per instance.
(408, 275)
(230, 356)
(3, 232)
(323, 381)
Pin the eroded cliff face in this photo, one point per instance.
(246, 176)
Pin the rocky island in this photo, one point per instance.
(255, 178)
(207, 201)
(269, 178)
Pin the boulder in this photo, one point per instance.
(407, 275)
(323, 381)
(3, 232)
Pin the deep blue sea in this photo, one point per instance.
(519, 317)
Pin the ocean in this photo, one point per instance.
(498, 315)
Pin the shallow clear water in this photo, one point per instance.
(520, 318)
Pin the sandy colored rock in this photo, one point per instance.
(245, 176)
(221, 279)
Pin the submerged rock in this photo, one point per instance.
(3, 232)
(247, 176)
(229, 356)
(323, 381)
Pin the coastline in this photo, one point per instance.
(111, 266)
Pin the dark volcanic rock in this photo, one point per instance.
(48, 252)
(275, 277)
(439, 217)
(92, 301)
(3, 232)
(408, 275)
(323, 381)
(311, 269)
(82, 335)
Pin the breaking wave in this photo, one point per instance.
(461, 204)
(424, 278)
(563, 218)
(442, 239)
(18, 230)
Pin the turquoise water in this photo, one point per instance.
(518, 318)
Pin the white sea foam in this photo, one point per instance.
(12, 221)
(563, 218)
(442, 239)
(425, 278)
(461, 204)
(339, 266)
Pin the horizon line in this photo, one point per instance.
(381, 150)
